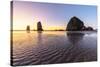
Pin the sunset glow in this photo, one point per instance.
(52, 16)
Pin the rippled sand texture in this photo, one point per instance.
(52, 47)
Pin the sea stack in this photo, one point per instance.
(39, 26)
(28, 28)
(74, 24)
(89, 28)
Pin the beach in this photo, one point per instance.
(50, 47)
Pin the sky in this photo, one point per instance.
(52, 15)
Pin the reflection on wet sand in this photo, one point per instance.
(74, 38)
(53, 47)
(28, 31)
(39, 37)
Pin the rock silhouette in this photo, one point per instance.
(28, 28)
(88, 29)
(75, 24)
(39, 26)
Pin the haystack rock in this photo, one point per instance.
(39, 26)
(75, 24)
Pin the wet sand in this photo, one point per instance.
(50, 47)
